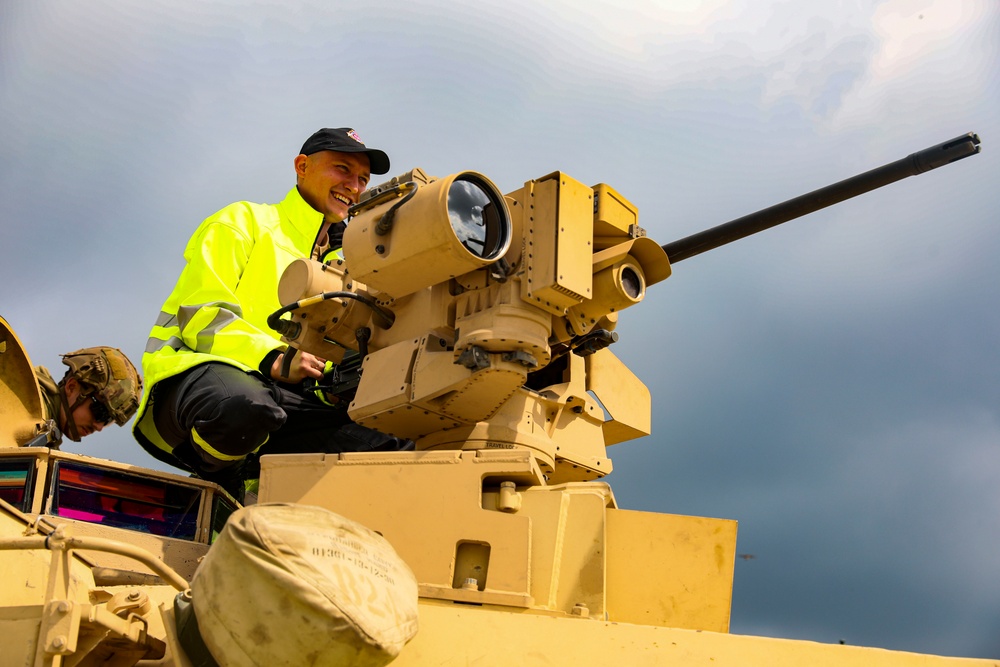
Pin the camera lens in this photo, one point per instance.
(631, 282)
(478, 217)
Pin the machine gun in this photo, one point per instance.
(913, 164)
(464, 305)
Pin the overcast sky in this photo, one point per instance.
(832, 384)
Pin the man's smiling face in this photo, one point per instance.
(331, 182)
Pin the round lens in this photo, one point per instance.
(478, 217)
(631, 282)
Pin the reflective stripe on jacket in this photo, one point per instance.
(218, 309)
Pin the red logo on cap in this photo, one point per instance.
(354, 135)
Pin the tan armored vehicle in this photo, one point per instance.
(478, 325)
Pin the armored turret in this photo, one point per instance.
(481, 326)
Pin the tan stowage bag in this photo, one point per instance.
(299, 585)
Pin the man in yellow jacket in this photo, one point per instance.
(215, 397)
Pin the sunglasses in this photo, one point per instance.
(100, 411)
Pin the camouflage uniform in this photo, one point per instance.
(50, 403)
(104, 373)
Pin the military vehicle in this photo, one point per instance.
(479, 325)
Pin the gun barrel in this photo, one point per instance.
(911, 165)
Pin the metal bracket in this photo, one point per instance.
(474, 358)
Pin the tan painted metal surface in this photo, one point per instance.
(56, 614)
(180, 554)
(20, 396)
(488, 637)
(455, 337)
(562, 549)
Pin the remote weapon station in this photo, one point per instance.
(478, 325)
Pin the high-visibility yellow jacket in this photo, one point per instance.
(219, 307)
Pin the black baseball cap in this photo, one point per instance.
(345, 140)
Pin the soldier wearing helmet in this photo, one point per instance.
(100, 387)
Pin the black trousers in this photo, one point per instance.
(220, 420)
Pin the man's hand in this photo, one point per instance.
(304, 365)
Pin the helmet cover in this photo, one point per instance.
(107, 374)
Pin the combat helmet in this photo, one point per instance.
(107, 374)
